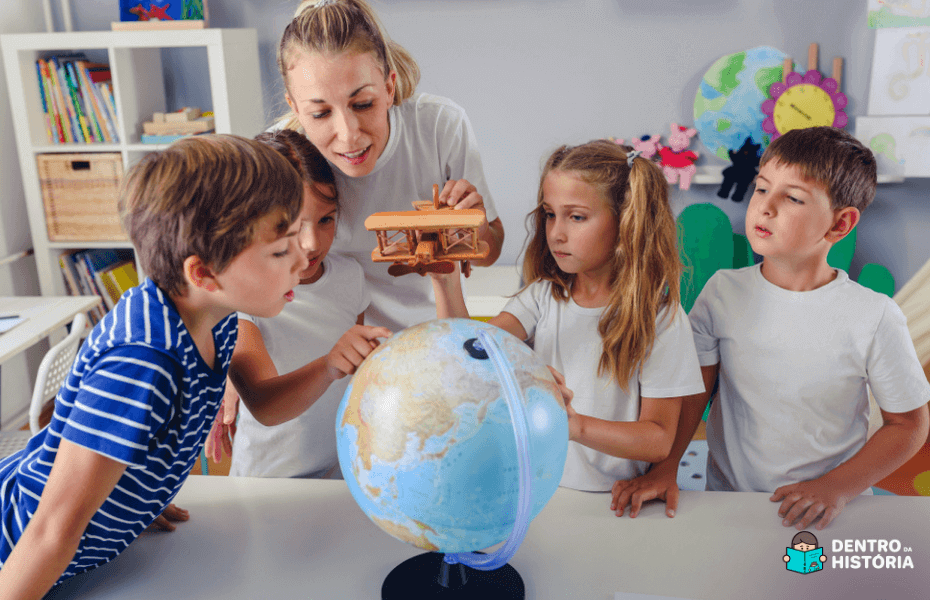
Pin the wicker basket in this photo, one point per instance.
(80, 192)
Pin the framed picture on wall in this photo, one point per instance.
(162, 14)
(900, 72)
(901, 144)
(883, 13)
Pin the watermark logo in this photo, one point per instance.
(804, 556)
(871, 554)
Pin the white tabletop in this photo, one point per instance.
(43, 315)
(288, 538)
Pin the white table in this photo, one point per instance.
(280, 538)
(42, 314)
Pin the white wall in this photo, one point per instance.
(18, 278)
(533, 74)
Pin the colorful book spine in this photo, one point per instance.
(107, 93)
(60, 98)
(91, 101)
(104, 117)
(125, 276)
(77, 98)
(53, 102)
(45, 111)
(76, 135)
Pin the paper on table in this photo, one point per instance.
(7, 323)
(627, 596)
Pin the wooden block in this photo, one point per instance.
(179, 127)
(183, 115)
(158, 118)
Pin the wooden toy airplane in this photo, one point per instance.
(428, 239)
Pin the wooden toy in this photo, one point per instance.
(183, 122)
(428, 239)
(676, 160)
(807, 100)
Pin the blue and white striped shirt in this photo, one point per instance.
(139, 393)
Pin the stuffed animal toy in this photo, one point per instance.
(676, 160)
(741, 173)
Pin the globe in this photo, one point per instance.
(727, 106)
(426, 442)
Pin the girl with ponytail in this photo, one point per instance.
(601, 306)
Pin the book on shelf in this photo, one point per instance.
(77, 100)
(103, 272)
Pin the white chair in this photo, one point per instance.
(53, 371)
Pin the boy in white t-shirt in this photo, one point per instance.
(797, 345)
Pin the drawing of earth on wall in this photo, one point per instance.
(727, 104)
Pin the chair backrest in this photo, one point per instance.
(54, 369)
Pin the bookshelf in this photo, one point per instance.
(138, 73)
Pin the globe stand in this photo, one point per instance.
(429, 576)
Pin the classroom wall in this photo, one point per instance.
(533, 74)
(18, 278)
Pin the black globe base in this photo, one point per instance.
(428, 576)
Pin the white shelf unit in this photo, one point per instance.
(137, 72)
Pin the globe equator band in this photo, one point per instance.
(517, 409)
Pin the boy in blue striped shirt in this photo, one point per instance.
(214, 222)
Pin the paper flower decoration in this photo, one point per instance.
(806, 100)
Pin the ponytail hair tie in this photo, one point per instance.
(630, 156)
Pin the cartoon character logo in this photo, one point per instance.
(804, 556)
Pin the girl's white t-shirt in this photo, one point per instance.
(565, 337)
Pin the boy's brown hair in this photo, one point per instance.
(203, 196)
(832, 158)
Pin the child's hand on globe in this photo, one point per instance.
(352, 348)
(574, 423)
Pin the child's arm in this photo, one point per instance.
(895, 442)
(649, 438)
(661, 482)
(78, 484)
(273, 399)
(450, 302)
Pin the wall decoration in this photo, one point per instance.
(161, 14)
(807, 100)
(900, 83)
(901, 144)
(726, 106)
(898, 13)
(742, 172)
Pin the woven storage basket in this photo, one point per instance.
(80, 193)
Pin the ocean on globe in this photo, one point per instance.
(426, 443)
(727, 106)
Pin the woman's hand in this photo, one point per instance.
(460, 194)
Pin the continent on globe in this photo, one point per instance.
(425, 438)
